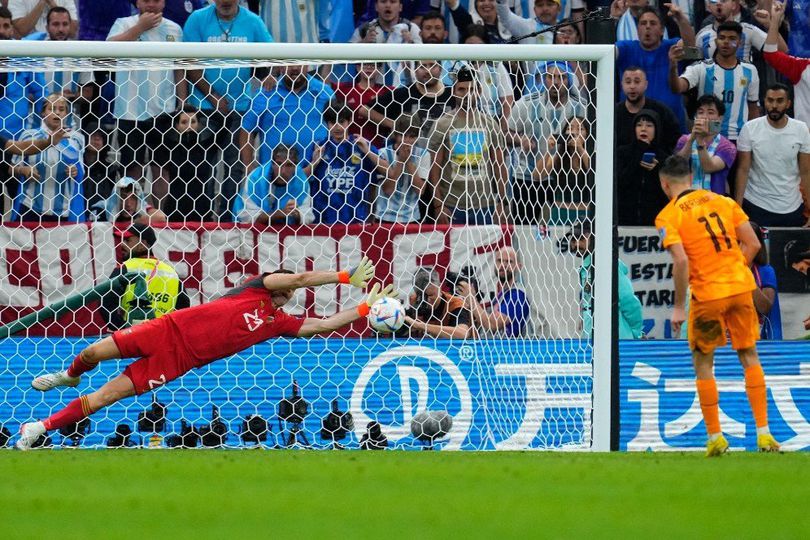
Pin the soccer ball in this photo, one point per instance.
(387, 315)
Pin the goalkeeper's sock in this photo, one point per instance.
(709, 404)
(79, 366)
(76, 410)
(757, 396)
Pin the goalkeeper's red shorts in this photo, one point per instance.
(163, 357)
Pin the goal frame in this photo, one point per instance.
(603, 55)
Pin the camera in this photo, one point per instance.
(466, 274)
(254, 430)
(153, 419)
(214, 434)
(336, 425)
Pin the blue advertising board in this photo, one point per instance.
(660, 408)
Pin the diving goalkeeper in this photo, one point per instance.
(172, 345)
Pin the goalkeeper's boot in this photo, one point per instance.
(716, 447)
(766, 443)
(29, 433)
(50, 381)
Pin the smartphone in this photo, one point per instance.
(692, 53)
(715, 125)
(648, 157)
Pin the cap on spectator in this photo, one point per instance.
(139, 230)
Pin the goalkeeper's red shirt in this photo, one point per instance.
(243, 317)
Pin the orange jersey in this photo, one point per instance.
(706, 224)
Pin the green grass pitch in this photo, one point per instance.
(351, 494)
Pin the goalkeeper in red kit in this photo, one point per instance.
(180, 341)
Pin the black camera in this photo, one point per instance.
(188, 437)
(295, 408)
(214, 434)
(373, 439)
(75, 432)
(254, 430)
(336, 425)
(466, 274)
(122, 437)
(153, 419)
(5, 435)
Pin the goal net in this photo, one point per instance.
(479, 181)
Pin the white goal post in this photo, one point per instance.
(95, 55)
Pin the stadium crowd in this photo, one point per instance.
(723, 83)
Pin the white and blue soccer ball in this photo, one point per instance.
(386, 315)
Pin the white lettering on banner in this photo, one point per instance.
(181, 248)
(649, 436)
(18, 249)
(461, 421)
(221, 275)
(321, 254)
(538, 400)
(63, 256)
(408, 252)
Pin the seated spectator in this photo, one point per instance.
(535, 118)
(546, 13)
(432, 28)
(651, 53)
(434, 312)
(101, 172)
(358, 94)
(634, 86)
(31, 15)
(50, 183)
(128, 204)
(711, 155)
(482, 12)
(291, 114)
(469, 169)
(797, 70)
(389, 27)
(277, 193)
(343, 172)
(766, 295)
(403, 169)
(568, 172)
(773, 158)
(189, 154)
(731, 81)
(636, 176)
(427, 96)
(508, 312)
(752, 37)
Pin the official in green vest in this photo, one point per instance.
(155, 291)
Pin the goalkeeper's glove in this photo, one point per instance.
(358, 276)
(374, 295)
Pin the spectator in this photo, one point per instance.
(710, 154)
(30, 15)
(751, 36)
(482, 12)
(731, 81)
(358, 95)
(414, 10)
(144, 100)
(508, 313)
(427, 96)
(637, 166)
(291, 113)
(534, 119)
(634, 86)
(276, 193)
(188, 152)
(98, 17)
(302, 21)
(766, 295)
(566, 35)
(630, 314)
(343, 172)
(469, 170)
(224, 95)
(546, 13)
(389, 27)
(51, 181)
(651, 53)
(773, 154)
(404, 168)
(101, 172)
(628, 14)
(178, 11)
(432, 28)
(128, 204)
(797, 70)
(434, 312)
(570, 177)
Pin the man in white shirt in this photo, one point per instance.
(145, 100)
(773, 154)
(30, 15)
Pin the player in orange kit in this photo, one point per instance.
(712, 246)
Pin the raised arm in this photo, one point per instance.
(34, 146)
(684, 26)
(314, 326)
(358, 276)
(749, 243)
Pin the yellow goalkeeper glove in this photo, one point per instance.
(374, 295)
(358, 276)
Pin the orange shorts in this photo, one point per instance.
(709, 321)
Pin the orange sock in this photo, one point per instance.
(757, 394)
(709, 404)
